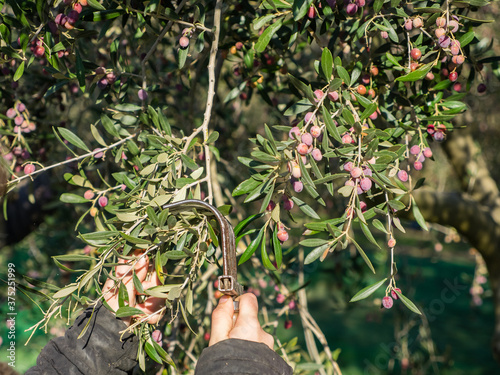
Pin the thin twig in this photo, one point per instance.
(211, 93)
(187, 352)
(211, 76)
(73, 159)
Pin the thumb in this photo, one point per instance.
(222, 320)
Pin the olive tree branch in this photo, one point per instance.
(18, 179)
(210, 96)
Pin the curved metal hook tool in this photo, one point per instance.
(228, 283)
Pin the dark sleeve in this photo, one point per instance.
(101, 350)
(235, 356)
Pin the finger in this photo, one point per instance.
(128, 282)
(222, 320)
(142, 265)
(111, 287)
(139, 266)
(152, 281)
(141, 271)
(152, 304)
(247, 326)
(110, 292)
(249, 310)
(124, 268)
(267, 339)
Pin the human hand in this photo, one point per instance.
(146, 277)
(246, 327)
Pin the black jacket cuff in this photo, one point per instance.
(236, 356)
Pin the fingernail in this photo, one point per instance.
(224, 299)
